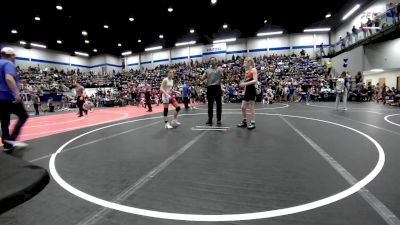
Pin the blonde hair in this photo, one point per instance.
(251, 61)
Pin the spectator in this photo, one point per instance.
(185, 95)
(321, 50)
(342, 43)
(36, 102)
(359, 77)
(370, 24)
(354, 30)
(348, 39)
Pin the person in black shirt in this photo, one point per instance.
(370, 91)
(359, 78)
(147, 95)
(355, 33)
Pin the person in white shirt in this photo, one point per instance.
(168, 98)
(341, 90)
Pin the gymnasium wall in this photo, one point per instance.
(46, 58)
(390, 78)
(384, 55)
(355, 61)
(259, 46)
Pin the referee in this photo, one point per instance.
(10, 101)
(213, 76)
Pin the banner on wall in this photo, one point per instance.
(215, 48)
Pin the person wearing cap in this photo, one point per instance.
(10, 101)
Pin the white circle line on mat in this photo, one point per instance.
(279, 107)
(391, 122)
(223, 217)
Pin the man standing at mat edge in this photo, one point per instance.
(80, 98)
(147, 95)
(10, 101)
(213, 76)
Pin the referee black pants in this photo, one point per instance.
(214, 93)
(80, 103)
(147, 96)
(6, 109)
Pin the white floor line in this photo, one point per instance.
(371, 125)
(212, 129)
(374, 202)
(378, 113)
(96, 216)
(359, 108)
(97, 140)
(391, 122)
(125, 115)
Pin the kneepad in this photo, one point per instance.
(165, 111)
(178, 108)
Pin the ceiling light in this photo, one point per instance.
(81, 54)
(38, 45)
(224, 40)
(127, 53)
(348, 14)
(84, 33)
(95, 50)
(161, 36)
(328, 15)
(269, 33)
(106, 26)
(59, 7)
(87, 41)
(265, 21)
(139, 41)
(22, 42)
(213, 2)
(191, 31)
(59, 42)
(170, 9)
(185, 43)
(377, 70)
(131, 19)
(37, 18)
(153, 48)
(14, 31)
(119, 44)
(225, 26)
(317, 30)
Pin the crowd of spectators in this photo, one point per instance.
(293, 78)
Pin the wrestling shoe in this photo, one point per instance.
(17, 144)
(175, 123)
(251, 126)
(242, 124)
(168, 126)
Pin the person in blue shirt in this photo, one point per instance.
(231, 91)
(185, 95)
(10, 101)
